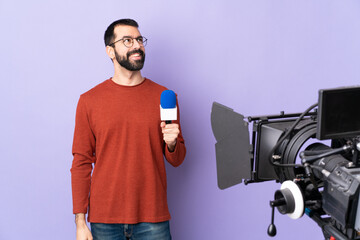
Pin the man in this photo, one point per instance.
(119, 131)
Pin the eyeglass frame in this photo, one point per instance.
(132, 41)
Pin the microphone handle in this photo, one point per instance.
(168, 122)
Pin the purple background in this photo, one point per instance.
(256, 56)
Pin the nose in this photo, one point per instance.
(136, 45)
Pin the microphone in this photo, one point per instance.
(168, 109)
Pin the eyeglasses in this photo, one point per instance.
(129, 41)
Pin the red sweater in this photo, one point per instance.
(118, 130)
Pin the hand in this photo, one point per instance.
(82, 230)
(170, 133)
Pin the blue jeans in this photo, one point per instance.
(139, 231)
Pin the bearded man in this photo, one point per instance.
(118, 171)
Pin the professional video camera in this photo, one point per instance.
(318, 178)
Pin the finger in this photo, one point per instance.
(171, 134)
(170, 131)
(172, 125)
(170, 137)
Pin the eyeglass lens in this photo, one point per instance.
(129, 42)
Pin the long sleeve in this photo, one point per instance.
(83, 151)
(176, 157)
(118, 172)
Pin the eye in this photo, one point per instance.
(140, 40)
(127, 40)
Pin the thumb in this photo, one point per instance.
(162, 124)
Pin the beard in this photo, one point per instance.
(127, 64)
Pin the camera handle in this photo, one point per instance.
(285, 203)
(272, 228)
(288, 200)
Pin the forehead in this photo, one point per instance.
(123, 30)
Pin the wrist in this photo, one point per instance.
(80, 219)
(171, 146)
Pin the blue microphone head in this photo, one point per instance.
(168, 99)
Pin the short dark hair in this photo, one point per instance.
(109, 35)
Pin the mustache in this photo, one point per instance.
(139, 51)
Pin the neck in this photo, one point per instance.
(125, 77)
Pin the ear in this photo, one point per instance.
(110, 51)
